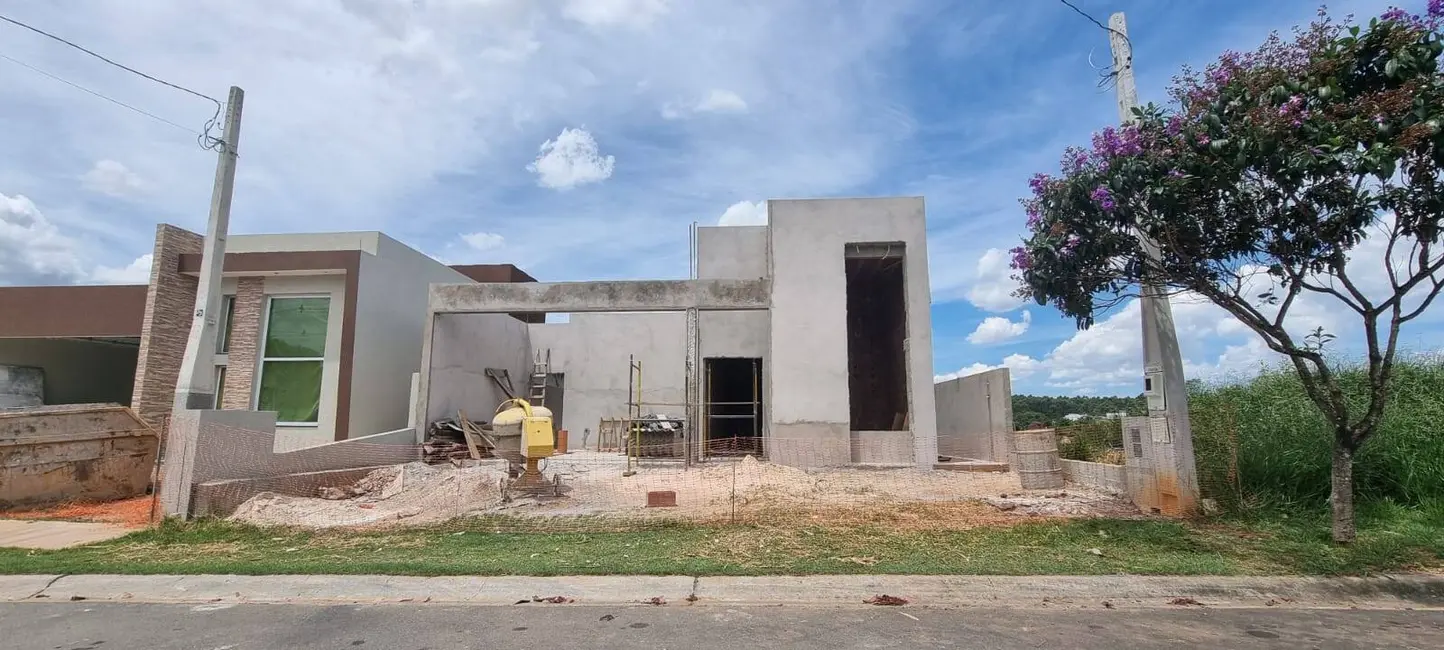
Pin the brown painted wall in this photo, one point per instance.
(501, 273)
(72, 312)
(169, 301)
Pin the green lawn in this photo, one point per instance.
(1391, 538)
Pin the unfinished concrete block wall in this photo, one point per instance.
(169, 303)
(736, 253)
(975, 416)
(809, 390)
(592, 351)
(76, 371)
(462, 347)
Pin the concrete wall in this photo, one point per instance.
(462, 347)
(592, 350)
(390, 329)
(732, 252)
(605, 296)
(809, 387)
(209, 446)
(975, 416)
(77, 371)
(1113, 478)
(71, 453)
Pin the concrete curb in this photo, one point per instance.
(1089, 592)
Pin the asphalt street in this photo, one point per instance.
(107, 626)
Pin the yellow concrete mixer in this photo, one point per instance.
(523, 436)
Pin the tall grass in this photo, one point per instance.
(1261, 441)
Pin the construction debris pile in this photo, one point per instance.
(446, 441)
(414, 493)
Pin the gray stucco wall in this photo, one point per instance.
(809, 387)
(732, 252)
(462, 347)
(592, 351)
(390, 329)
(975, 416)
(77, 371)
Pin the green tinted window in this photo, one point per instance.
(296, 327)
(292, 389)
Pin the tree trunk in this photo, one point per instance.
(1343, 493)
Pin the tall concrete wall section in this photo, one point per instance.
(975, 416)
(809, 346)
(592, 350)
(77, 371)
(732, 252)
(462, 347)
(390, 329)
(169, 301)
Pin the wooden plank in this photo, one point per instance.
(467, 433)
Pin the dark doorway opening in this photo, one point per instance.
(556, 399)
(733, 406)
(876, 335)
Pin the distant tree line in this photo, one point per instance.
(1048, 410)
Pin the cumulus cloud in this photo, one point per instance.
(715, 101)
(611, 13)
(745, 213)
(137, 272)
(572, 159)
(993, 286)
(32, 249)
(1019, 366)
(483, 241)
(111, 178)
(996, 329)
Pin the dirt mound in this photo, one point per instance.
(414, 493)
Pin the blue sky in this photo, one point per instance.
(579, 138)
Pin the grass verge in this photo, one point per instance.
(1391, 538)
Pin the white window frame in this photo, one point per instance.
(261, 357)
(221, 356)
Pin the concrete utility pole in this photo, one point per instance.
(195, 387)
(1164, 384)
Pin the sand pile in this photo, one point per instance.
(413, 493)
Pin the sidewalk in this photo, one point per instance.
(1091, 592)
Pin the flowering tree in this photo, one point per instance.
(1256, 184)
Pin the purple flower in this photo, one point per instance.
(1021, 261)
(1436, 8)
(1103, 199)
(1175, 123)
(1396, 14)
(1038, 183)
(1034, 219)
(1203, 140)
(1113, 143)
(1071, 244)
(1174, 173)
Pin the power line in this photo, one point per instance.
(1105, 77)
(204, 139)
(102, 96)
(102, 58)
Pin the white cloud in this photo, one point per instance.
(996, 329)
(744, 213)
(137, 272)
(570, 160)
(993, 285)
(715, 101)
(1019, 366)
(32, 249)
(112, 178)
(609, 13)
(482, 242)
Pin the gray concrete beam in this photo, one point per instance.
(630, 295)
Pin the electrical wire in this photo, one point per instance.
(112, 100)
(1106, 76)
(204, 139)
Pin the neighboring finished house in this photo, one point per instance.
(324, 329)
